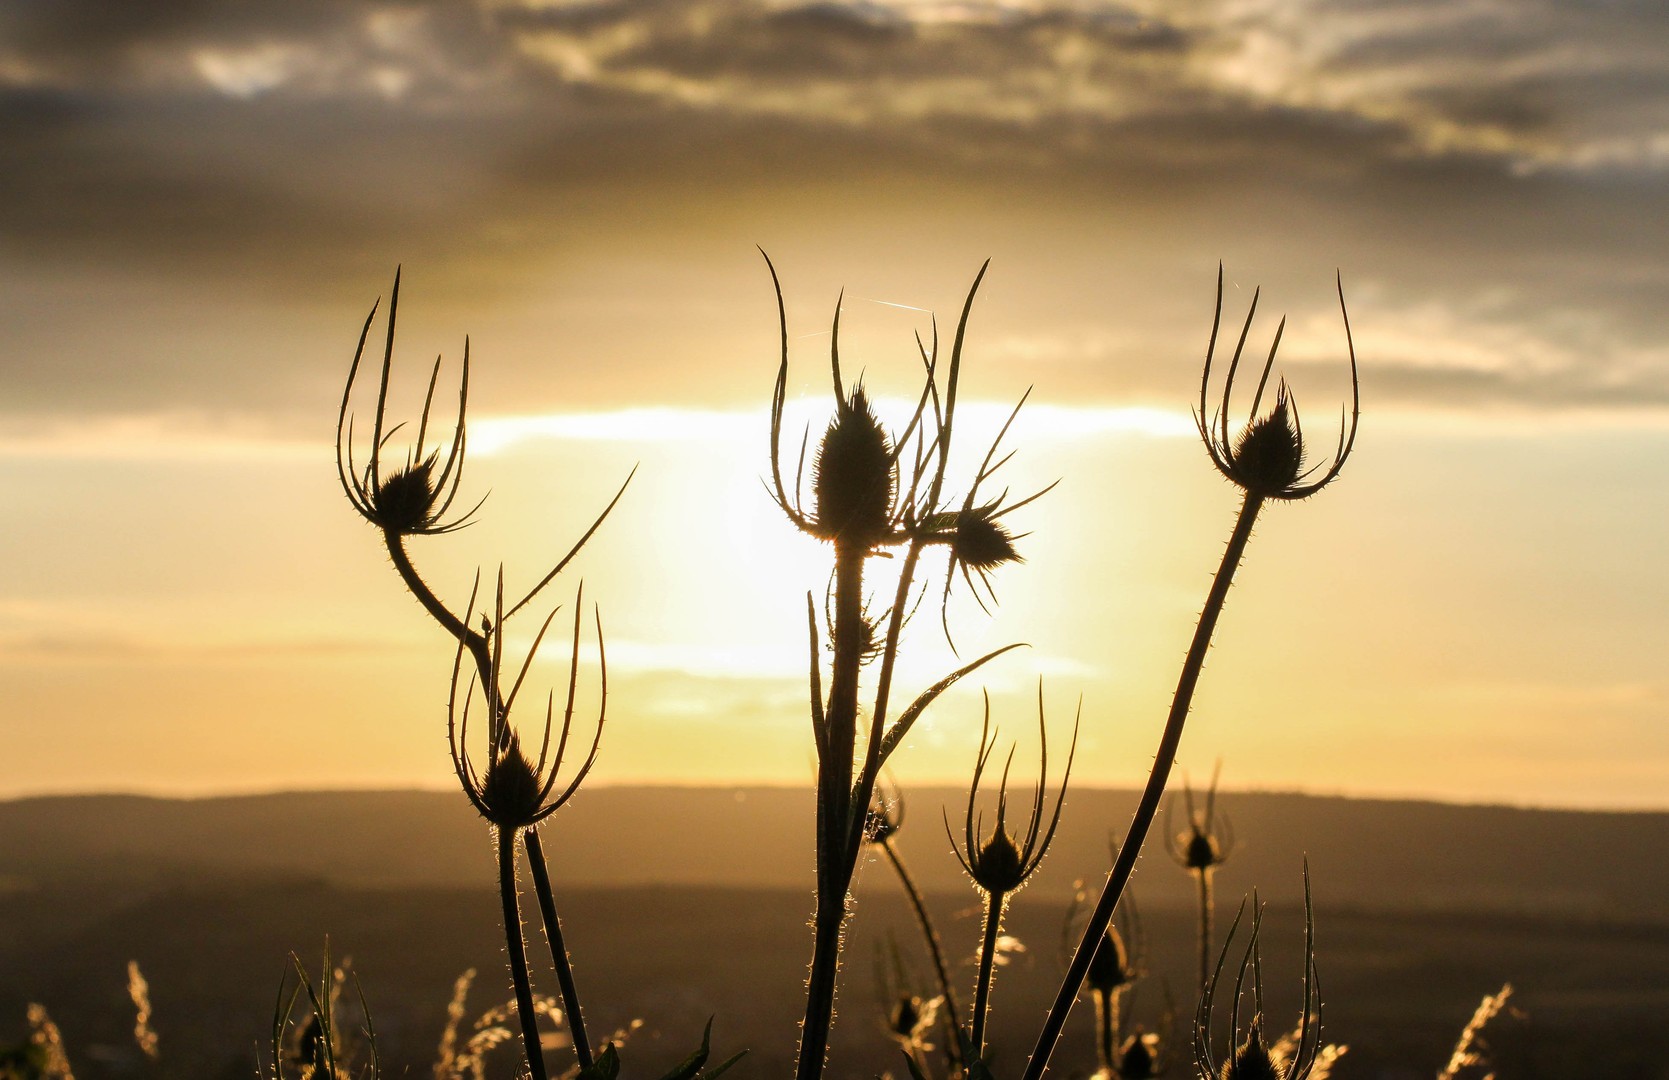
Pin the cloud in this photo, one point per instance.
(295, 150)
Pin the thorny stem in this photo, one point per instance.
(559, 951)
(934, 949)
(834, 783)
(994, 904)
(1151, 794)
(1203, 879)
(517, 949)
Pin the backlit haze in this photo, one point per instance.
(200, 202)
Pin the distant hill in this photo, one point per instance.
(1365, 853)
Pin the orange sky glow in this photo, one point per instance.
(205, 207)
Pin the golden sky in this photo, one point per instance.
(199, 203)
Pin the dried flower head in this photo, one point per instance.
(1208, 840)
(1267, 457)
(1002, 862)
(514, 790)
(1139, 1056)
(1250, 1057)
(413, 498)
(855, 475)
(872, 490)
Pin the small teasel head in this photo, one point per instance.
(1208, 840)
(513, 789)
(978, 540)
(886, 814)
(1249, 1056)
(1110, 968)
(413, 498)
(1002, 862)
(1266, 458)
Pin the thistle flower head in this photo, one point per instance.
(1208, 840)
(1266, 457)
(1249, 1057)
(1002, 862)
(414, 498)
(513, 789)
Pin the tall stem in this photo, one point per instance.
(559, 950)
(836, 854)
(987, 963)
(1151, 794)
(934, 948)
(517, 949)
(1203, 875)
(1106, 1029)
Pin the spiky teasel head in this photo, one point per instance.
(865, 493)
(1249, 1057)
(1209, 839)
(1139, 1057)
(414, 498)
(854, 476)
(514, 790)
(1001, 863)
(1266, 458)
(1110, 969)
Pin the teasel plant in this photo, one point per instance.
(1000, 863)
(874, 495)
(1264, 456)
(886, 818)
(1299, 1055)
(1113, 973)
(417, 495)
(1205, 845)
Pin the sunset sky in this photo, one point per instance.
(199, 203)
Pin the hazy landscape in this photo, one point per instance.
(689, 902)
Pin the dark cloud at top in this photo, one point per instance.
(1470, 152)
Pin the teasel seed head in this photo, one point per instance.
(1269, 455)
(981, 542)
(1137, 1059)
(1266, 459)
(854, 477)
(1109, 967)
(1201, 852)
(1001, 863)
(1251, 1060)
(511, 790)
(904, 1018)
